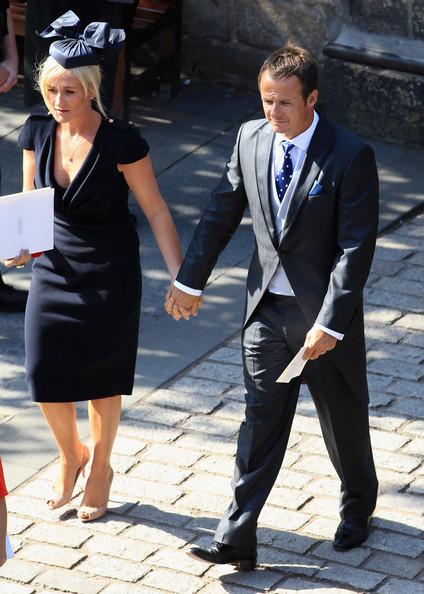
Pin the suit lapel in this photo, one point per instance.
(313, 164)
(263, 152)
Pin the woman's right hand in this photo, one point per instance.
(21, 260)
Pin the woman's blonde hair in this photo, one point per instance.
(90, 78)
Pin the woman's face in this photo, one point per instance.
(66, 98)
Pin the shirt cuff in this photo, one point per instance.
(330, 332)
(189, 290)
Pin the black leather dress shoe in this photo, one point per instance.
(219, 552)
(351, 533)
(11, 299)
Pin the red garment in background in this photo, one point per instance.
(3, 490)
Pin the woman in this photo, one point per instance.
(82, 316)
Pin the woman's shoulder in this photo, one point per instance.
(40, 115)
(39, 120)
(34, 129)
(130, 145)
(120, 127)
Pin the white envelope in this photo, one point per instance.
(294, 368)
(26, 222)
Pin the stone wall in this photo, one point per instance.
(376, 103)
(227, 41)
(391, 17)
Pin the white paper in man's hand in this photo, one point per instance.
(9, 550)
(294, 368)
(26, 222)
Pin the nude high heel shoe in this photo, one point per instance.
(87, 513)
(66, 497)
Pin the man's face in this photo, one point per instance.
(284, 105)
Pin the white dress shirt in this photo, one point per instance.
(279, 283)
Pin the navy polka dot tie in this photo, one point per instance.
(283, 177)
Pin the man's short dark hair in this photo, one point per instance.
(292, 60)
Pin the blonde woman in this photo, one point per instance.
(82, 315)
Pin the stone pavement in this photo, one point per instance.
(173, 462)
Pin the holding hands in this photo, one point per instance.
(179, 304)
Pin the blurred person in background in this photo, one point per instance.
(11, 299)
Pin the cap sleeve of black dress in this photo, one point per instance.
(133, 147)
(26, 138)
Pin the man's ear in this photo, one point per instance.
(312, 98)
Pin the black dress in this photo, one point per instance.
(82, 317)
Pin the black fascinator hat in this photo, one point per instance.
(81, 47)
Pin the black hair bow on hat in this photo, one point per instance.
(78, 46)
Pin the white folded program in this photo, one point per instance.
(294, 368)
(26, 222)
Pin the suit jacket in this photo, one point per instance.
(329, 237)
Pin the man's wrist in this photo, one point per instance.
(332, 333)
(185, 289)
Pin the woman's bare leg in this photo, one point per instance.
(62, 420)
(104, 415)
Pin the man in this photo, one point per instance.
(11, 299)
(312, 190)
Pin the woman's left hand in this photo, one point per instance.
(21, 260)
